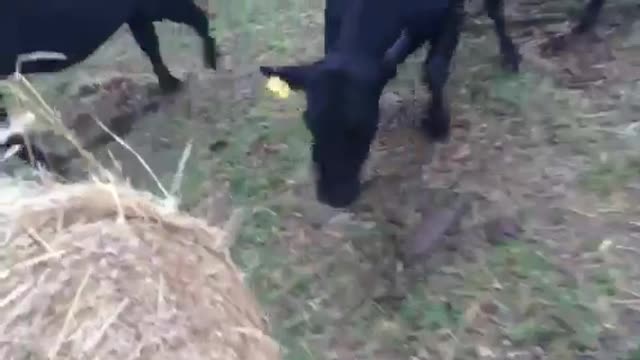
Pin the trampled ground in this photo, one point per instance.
(543, 264)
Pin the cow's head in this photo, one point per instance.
(342, 115)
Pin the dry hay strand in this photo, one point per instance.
(103, 271)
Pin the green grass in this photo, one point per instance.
(557, 312)
(611, 173)
(525, 299)
(558, 316)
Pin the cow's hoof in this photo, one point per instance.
(211, 55)
(170, 85)
(437, 133)
(511, 62)
(436, 126)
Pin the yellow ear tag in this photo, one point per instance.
(278, 87)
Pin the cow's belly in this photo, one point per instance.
(76, 28)
(428, 19)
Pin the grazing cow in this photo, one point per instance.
(76, 28)
(363, 48)
(364, 43)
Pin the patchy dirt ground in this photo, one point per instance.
(542, 262)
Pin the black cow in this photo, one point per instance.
(76, 28)
(361, 56)
(364, 43)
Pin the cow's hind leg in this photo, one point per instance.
(436, 73)
(145, 35)
(508, 50)
(188, 13)
(589, 17)
(333, 12)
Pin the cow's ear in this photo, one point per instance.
(296, 76)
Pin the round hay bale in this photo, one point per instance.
(102, 271)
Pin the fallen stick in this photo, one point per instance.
(431, 232)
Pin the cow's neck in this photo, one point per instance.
(369, 28)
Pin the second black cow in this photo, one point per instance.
(77, 28)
